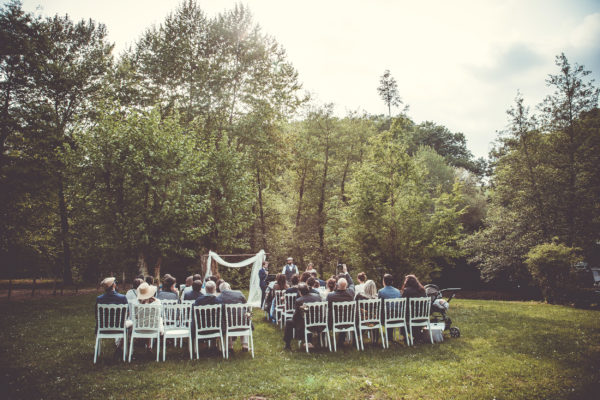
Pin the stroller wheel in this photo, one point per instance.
(454, 332)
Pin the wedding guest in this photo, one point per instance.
(169, 291)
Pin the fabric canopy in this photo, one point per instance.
(255, 293)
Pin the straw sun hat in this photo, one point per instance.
(145, 291)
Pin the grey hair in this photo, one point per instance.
(210, 287)
(224, 286)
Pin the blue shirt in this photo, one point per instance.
(389, 292)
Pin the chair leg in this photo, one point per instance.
(157, 348)
(356, 339)
(197, 345)
(226, 346)
(190, 346)
(430, 334)
(252, 343)
(130, 348)
(362, 344)
(328, 341)
(96, 349)
(306, 340)
(381, 333)
(406, 335)
(124, 347)
(334, 343)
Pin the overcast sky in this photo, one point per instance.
(457, 63)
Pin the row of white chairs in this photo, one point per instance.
(173, 321)
(355, 317)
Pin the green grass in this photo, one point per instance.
(508, 350)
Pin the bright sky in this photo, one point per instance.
(458, 63)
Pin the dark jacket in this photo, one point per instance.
(413, 292)
(293, 289)
(298, 316)
(191, 295)
(262, 276)
(111, 297)
(207, 300)
(232, 297)
(162, 295)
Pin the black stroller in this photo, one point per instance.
(439, 307)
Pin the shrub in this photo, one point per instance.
(550, 265)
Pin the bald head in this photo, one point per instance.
(342, 284)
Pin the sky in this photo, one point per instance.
(458, 63)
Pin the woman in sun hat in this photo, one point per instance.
(145, 295)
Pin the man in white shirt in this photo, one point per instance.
(289, 269)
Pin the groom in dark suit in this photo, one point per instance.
(262, 276)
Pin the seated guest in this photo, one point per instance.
(149, 280)
(362, 278)
(294, 281)
(330, 288)
(313, 286)
(280, 284)
(229, 296)
(340, 294)
(345, 275)
(412, 287)
(369, 291)
(322, 283)
(132, 293)
(188, 285)
(296, 324)
(210, 297)
(169, 291)
(195, 292)
(304, 277)
(110, 296)
(389, 292)
(146, 295)
(219, 282)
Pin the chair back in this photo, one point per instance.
(343, 313)
(111, 317)
(419, 308)
(278, 298)
(369, 311)
(190, 302)
(146, 316)
(169, 302)
(208, 318)
(290, 302)
(176, 316)
(315, 314)
(394, 310)
(238, 316)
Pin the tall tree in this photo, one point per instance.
(388, 91)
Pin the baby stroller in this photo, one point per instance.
(439, 307)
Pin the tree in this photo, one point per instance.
(52, 74)
(388, 91)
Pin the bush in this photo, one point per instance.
(550, 265)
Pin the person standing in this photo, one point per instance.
(289, 269)
(262, 276)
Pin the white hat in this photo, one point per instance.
(290, 259)
(145, 291)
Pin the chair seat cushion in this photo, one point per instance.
(177, 331)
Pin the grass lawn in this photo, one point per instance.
(508, 350)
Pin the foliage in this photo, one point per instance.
(546, 179)
(388, 91)
(551, 266)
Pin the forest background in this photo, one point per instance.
(199, 137)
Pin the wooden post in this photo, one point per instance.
(33, 287)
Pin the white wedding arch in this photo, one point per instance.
(255, 293)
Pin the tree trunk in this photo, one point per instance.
(301, 193)
(64, 230)
(142, 266)
(263, 225)
(321, 207)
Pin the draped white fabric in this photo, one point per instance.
(255, 294)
